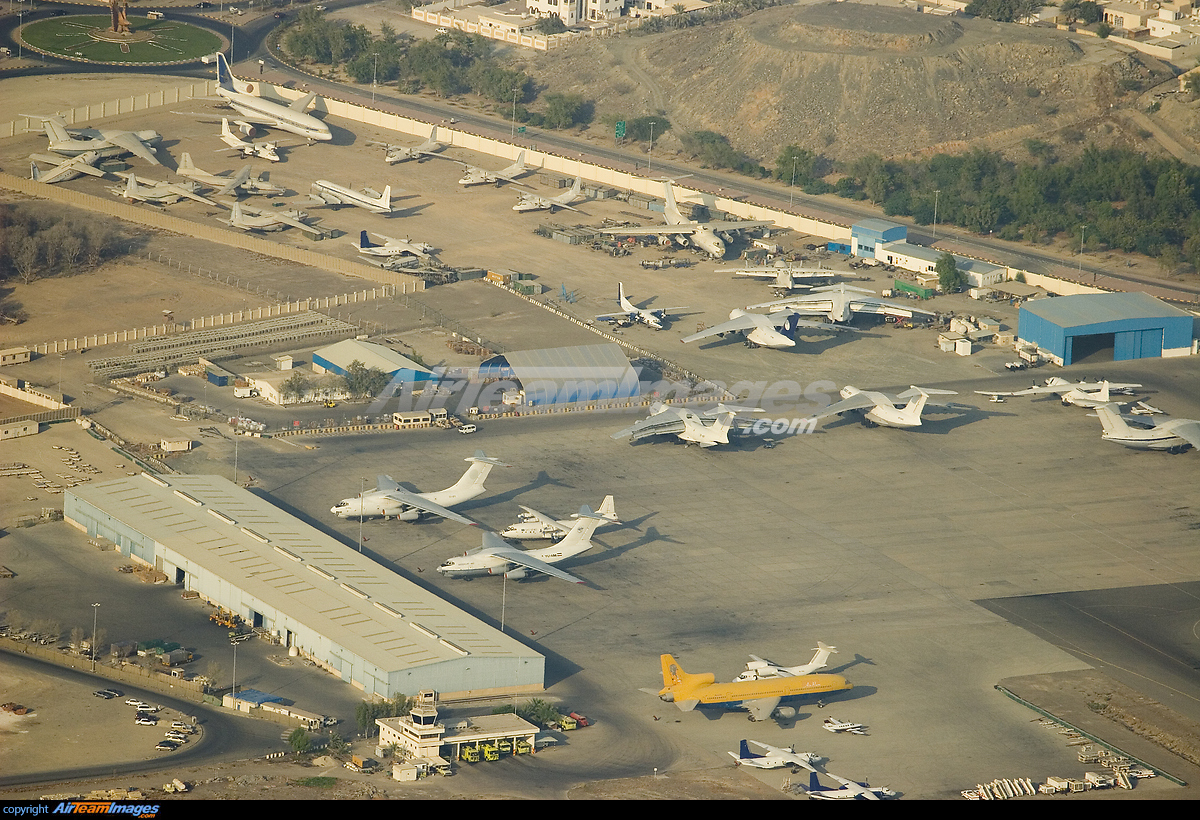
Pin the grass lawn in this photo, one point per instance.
(173, 41)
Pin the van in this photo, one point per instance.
(467, 429)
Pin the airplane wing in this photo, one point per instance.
(175, 189)
(858, 401)
(738, 226)
(425, 505)
(526, 560)
(81, 164)
(1188, 431)
(134, 146)
(298, 223)
(747, 321)
(303, 103)
(545, 520)
(657, 230)
(761, 709)
(236, 181)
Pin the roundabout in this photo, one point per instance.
(141, 41)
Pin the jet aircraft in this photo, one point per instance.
(400, 153)
(709, 237)
(761, 698)
(707, 429)
(902, 410)
(1172, 435)
(783, 277)
(535, 202)
(496, 555)
(776, 330)
(107, 142)
(849, 790)
(631, 313)
(392, 247)
(262, 150)
(330, 193)
(251, 219)
(157, 193)
(241, 181)
(1080, 394)
(758, 668)
(481, 176)
(773, 757)
(260, 111)
(532, 525)
(841, 302)
(65, 169)
(389, 499)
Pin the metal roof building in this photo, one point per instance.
(867, 233)
(354, 617)
(563, 375)
(337, 358)
(1117, 326)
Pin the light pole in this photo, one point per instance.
(1082, 234)
(935, 204)
(374, 74)
(235, 446)
(792, 191)
(361, 509)
(233, 643)
(95, 615)
(514, 118)
(650, 150)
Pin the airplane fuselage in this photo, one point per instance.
(285, 118)
(486, 563)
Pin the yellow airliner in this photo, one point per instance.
(759, 697)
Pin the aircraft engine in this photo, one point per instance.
(246, 129)
(786, 712)
(683, 241)
(669, 697)
(516, 574)
(666, 240)
(408, 515)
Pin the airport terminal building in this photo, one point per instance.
(357, 619)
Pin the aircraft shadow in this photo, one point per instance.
(412, 210)
(837, 670)
(542, 479)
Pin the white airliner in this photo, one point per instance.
(400, 153)
(706, 429)
(107, 142)
(157, 193)
(259, 111)
(776, 330)
(532, 525)
(389, 500)
(1172, 435)
(758, 668)
(631, 313)
(251, 219)
(773, 757)
(841, 302)
(709, 237)
(262, 150)
(850, 789)
(392, 247)
(902, 410)
(242, 180)
(534, 202)
(496, 555)
(64, 169)
(482, 176)
(1080, 394)
(330, 193)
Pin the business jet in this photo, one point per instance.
(849, 790)
(1172, 435)
(392, 247)
(389, 499)
(401, 153)
(710, 237)
(705, 429)
(481, 176)
(1081, 394)
(832, 724)
(64, 169)
(535, 202)
(251, 219)
(241, 181)
(773, 757)
(330, 193)
(776, 330)
(840, 302)
(631, 313)
(496, 556)
(260, 111)
(532, 525)
(107, 142)
(758, 668)
(157, 193)
(262, 150)
(901, 410)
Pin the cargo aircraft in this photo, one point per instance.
(776, 330)
(241, 181)
(481, 176)
(773, 757)
(849, 790)
(107, 142)
(389, 499)
(533, 526)
(400, 153)
(631, 313)
(392, 247)
(1080, 394)
(535, 202)
(251, 219)
(783, 277)
(706, 429)
(758, 668)
(901, 410)
(157, 193)
(840, 303)
(64, 169)
(262, 150)
(762, 698)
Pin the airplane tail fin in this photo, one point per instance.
(385, 199)
(477, 473)
(1110, 419)
(576, 187)
(579, 539)
(225, 132)
(34, 173)
(364, 242)
(722, 426)
(821, 657)
(520, 164)
(672, 209)
(235, 213)
(131, 185)
(814, 785)
(1103, 395)
(185, 162)
(672, 673)
(746, 754)
(915, 405)
(608, 508)
(224, 75)
(623, 300)
(56, 129)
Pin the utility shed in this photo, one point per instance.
(1105, 327)
(337, 358)
(867, 233)
(563, 375)
(352, 616)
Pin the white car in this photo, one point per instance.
(146, 720)
(442, 30)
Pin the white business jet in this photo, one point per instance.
(1172, 435)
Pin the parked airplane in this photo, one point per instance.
(773, 757)
(785, 277)
(1172, 435)
(534, 202)
(760, 697)
(400, 153)
(481, 176)
(1080, 394)
(532, 525)
(496, 555)
(330, 193)
(389, 499)
(262, 150)
(836, 726)
(631, 313)
(850, 789)
(841, 302)
(242, 180)
(709, 237)
(157, 193)
(108, 142)
(260, 111)
(902, 410)
(776, 330)
(392, 247)
(252, 219)
(1141, 408)
(65, 169)
(706, 429)
(758, 668)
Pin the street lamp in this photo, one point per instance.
(792, 191)
(233, 642)
(95, 615)
(650, 150)
(935, 204)
(235, 448)
(514, 118)
(1082, 234)
(361, 510)
(374, 74)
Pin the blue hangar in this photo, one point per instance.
(1105, 327)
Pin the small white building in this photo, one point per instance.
(175, 445)
(17, 429)
(15, 355)
(923, 260)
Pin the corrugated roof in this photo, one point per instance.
(1095, 308)
(317, 581)
(964, 263)
(572, 368)
(370, 354)
(875, 224)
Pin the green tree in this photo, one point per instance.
(361, 380)
(299, 741)
(551, 25)
(296, 387)
(950, 278)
